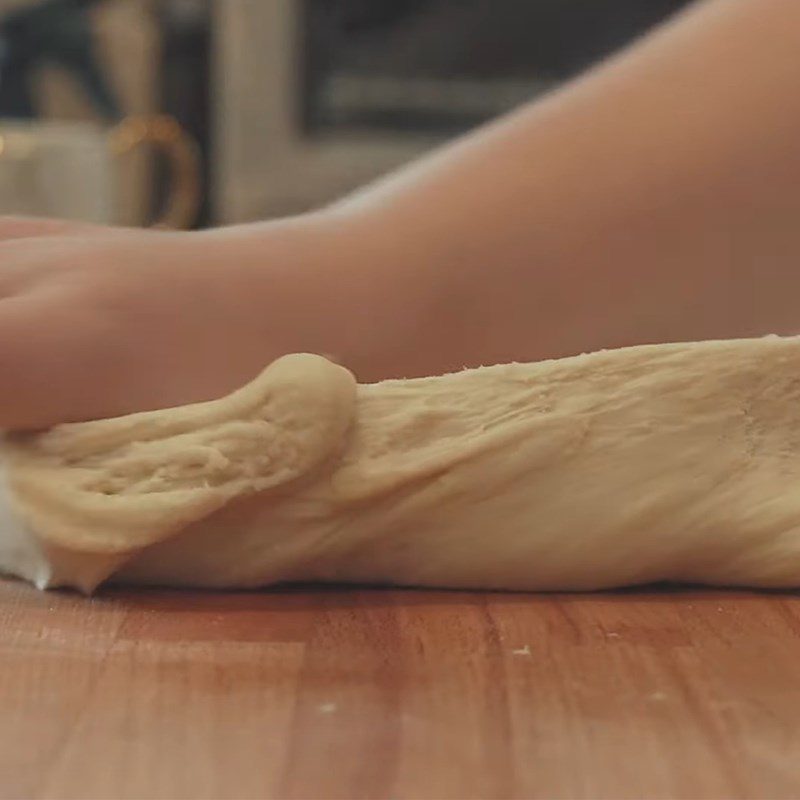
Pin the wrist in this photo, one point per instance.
(344, 285)
(385, 295)
(405, 302)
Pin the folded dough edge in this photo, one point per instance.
(78, 501)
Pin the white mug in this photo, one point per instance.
(67, 169)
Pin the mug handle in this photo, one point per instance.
(165, 134)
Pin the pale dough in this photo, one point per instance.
(670, 462)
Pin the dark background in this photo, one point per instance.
(505, 51)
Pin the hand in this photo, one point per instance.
(98, 322)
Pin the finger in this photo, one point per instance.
(52, 361)
(28, 261)
(13, 227)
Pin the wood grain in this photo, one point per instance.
(389, 694)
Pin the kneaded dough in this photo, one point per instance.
(671, 462)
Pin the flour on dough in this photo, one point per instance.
(671, 462)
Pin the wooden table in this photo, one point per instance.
(389, 694)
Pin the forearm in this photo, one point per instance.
(657, 198)
(654, 199)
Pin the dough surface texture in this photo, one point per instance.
(675, 462)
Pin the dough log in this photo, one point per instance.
(660, 463)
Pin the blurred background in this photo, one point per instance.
(191, 113)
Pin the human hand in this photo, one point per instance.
(98, 322)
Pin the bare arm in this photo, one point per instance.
(656, 198)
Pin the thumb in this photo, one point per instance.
(51, 358)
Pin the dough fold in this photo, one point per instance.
(658, 463)
(94, 493)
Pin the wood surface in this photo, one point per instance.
(388, 694)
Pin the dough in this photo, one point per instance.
(672, 462)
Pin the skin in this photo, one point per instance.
(653, 199)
